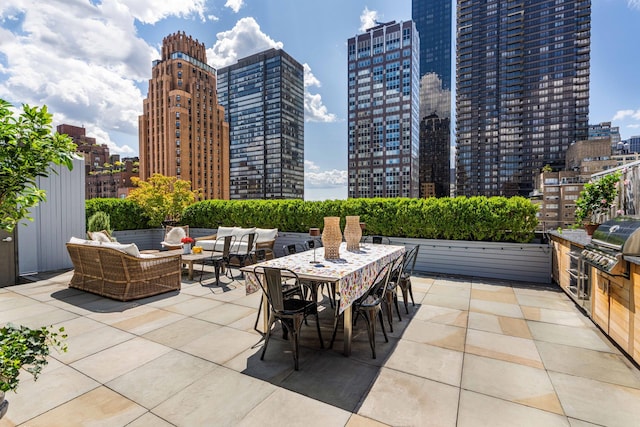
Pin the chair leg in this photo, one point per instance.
(336, 319)
(318, 327)
(371, 329)
(405, 297)
(296, 324)
(268, 335)
(395, 301)
(411, 292)
(255, 325)
(386, 338)
(388, 308)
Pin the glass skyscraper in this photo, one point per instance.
(433, 22)
(263, 100)
(383, 122)
(522, 93)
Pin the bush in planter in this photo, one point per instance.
(99, 221)
(596, 199)
(123, 214)
(23, 348)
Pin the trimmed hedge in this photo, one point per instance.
(124, 214)
(497, 219)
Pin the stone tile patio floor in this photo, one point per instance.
(473, 352)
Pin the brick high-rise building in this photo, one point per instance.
(522, 93)
(182, 129)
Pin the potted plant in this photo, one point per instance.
(596, 200)
(187, 242)
(23, 348)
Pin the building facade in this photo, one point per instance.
(522, 94)
(182, 131)
(263, 99)
(383, 106)
(105, 174)
(433, 22)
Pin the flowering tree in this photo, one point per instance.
(27, 149)
(597, 198)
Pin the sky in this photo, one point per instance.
(90, 61)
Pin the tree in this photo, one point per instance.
(162, 197)
(28, 147)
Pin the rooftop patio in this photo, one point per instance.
(472, 352)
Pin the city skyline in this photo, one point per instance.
(95, 74)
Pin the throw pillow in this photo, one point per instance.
(175, 235)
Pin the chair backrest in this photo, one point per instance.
(249, 238)
(292, 248)
(375, 293)
(397, 269)
(272, 281)
(379, 240)
(410, 260)
(228, 242)
(259, 255)
(312, 243)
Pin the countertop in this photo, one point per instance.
(577, 237)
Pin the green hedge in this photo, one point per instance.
(124, 214)
(496, 219)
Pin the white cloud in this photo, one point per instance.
(368, 19)
(234, 5)
(213, 18)
(88, 79)
(152, 11)
(103, 137)
(633, 126)
(634, 4)
(309, 78)
(623, 114)
(244, 39)
(315, 178)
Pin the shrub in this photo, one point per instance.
(99, 221)
(123, 214)
(498, 219)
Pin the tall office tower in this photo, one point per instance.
(182, 129)
(384, 104)
(522, 94)
(263, 98)
(433, 22)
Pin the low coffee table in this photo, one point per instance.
(187, 259)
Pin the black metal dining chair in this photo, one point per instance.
(378, 240)
(242, 250)
(391, 290)
(220, 259)
(290, 311)
(369, 306)
(404, 283)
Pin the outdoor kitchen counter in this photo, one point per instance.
(612, 301)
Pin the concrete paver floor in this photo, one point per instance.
(472, 352)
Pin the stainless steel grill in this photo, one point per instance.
(613, 240)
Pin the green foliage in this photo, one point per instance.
(27, 149)
(124, 214)
(99, 221)
(23, 348)
(597, 198)
(497, 219)
(162, 197)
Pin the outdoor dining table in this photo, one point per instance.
(352, 274)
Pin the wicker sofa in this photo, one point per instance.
(116, 274)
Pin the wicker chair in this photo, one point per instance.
(115, 274)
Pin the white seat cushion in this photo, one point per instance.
(99, 236)
(226, 231)
(78, 241)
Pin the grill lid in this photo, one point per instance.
(620, 234)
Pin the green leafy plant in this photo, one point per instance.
(27, 149)
(99, 221)
(23, 348)
(124, 214)
(162, 197)
(597, 198)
